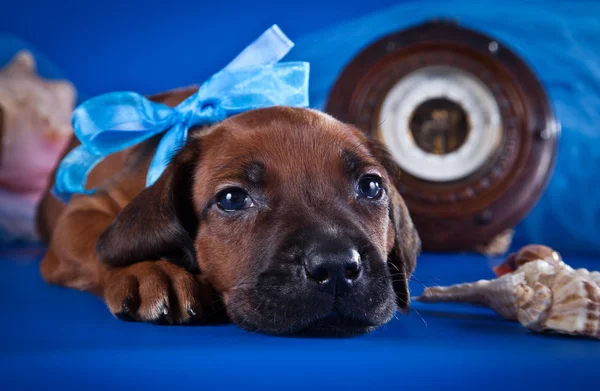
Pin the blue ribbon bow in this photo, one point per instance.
(115, 121)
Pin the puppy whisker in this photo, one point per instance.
(413, 278)
(420, 316)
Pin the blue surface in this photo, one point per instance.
(59, 337)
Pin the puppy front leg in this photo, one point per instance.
(155, 291)
(71, 257)
(151, 291)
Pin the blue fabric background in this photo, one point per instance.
(561, 42)
(150, 46)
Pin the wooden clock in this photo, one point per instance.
(467, 122)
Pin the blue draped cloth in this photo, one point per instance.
(560, 40)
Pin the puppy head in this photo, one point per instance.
(292, 216)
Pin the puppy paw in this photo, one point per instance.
(153, 291)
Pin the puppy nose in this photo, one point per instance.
(335, 272)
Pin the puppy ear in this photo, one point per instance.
(407, 244)
(159, 223)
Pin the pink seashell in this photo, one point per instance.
(35, 127)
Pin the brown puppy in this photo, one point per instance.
(288, 216)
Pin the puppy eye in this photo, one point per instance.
(234, 199)
(369, 187)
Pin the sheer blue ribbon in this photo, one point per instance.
(115, 121)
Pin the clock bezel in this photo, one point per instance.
(469, 212)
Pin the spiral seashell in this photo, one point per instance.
(593, 276)
(498, 294)
(543, 295)
(575, 306)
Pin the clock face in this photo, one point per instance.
(440, 123)
(466, 121)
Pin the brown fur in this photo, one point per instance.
(160, 253)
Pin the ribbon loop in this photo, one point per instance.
(112, 122)
(115, 121)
